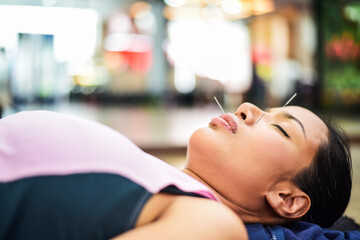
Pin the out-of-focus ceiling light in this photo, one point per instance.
(175, 3)
(74, 35)
(263, 6)
(231, 6)
(144, 19)
(231, 9)
(212, 2)
(212, 13)
(139, 8)
(182, 13)
(122, 42)
(119, 23)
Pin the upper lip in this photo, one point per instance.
(227, 120)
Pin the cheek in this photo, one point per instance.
(266, 153)
(276, 155)
(214, 154)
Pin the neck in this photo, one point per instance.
(247, 215)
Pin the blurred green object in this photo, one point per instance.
(339, 58)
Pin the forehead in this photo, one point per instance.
(316, 130)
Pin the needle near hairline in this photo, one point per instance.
(293, 96)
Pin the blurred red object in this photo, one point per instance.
(260, 54)
(343, 49)
(135, 52)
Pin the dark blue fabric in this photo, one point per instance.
(257, 232)
(80, 206)
(276, 233)
(298, 231)
(77, 206)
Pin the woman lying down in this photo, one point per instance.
(287, 176)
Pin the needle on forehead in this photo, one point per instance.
(293, 96)
(219, 105)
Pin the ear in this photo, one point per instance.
(288, 200)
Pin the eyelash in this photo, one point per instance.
(282, 130)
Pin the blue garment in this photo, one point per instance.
(77, 206)
(298, 231)
(62, 177)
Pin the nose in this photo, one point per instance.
(249, 113)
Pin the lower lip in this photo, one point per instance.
(221, 122)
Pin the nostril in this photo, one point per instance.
(243, 116)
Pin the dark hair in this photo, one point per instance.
(327, 180)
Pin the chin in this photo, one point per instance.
(196, 142)
(203, 151)
(199, 136)
(203, 140)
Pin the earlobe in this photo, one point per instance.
(287, 200)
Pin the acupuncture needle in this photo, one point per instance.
(293, 96)
(219, 105)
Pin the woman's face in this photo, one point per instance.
(241, 157)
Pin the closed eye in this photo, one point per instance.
(281, 129)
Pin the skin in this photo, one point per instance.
(175, 217)
(246, 168)
(250, 169)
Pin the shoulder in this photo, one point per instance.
(197, 218)
(207, 215)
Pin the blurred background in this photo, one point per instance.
(150, 69)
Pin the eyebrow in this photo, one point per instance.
(289, 116)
